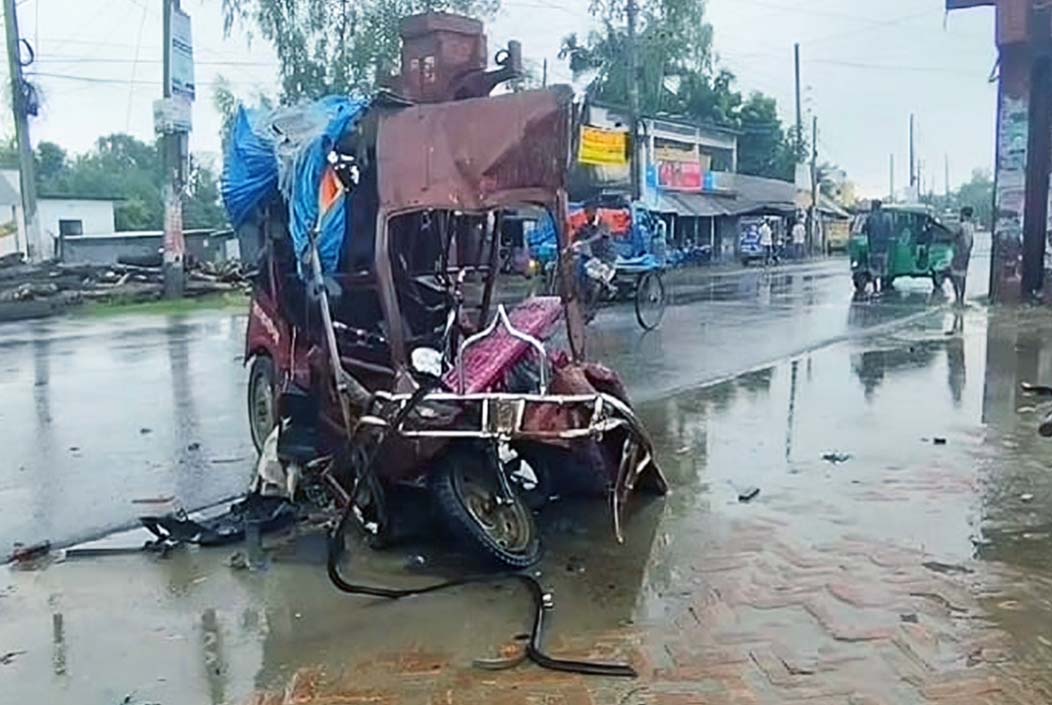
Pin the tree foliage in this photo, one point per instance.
(979, 194)
(125, 168)
(335, 46)
(679, 74)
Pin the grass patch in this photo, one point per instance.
(233, 301)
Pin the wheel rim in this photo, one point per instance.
(506, 524)
(262, 408)
(650, 301)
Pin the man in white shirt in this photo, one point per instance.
(964, 238)
(799, 238)
(767, 242)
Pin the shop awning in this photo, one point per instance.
(692, 205)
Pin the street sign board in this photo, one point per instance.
(171, 115)
(602, 147)
(181, 56)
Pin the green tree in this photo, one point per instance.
(679, 74)
(201, 205)
(763, 148)
(335, 46)
(122, 167)
(979, 194)
(50, 161)
(8, 153)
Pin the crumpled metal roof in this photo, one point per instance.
(476, 154)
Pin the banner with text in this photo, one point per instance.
(601, 147)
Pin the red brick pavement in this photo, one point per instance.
(763, 621)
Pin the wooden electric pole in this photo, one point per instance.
(633, 99)
(20, 112)
(172, 145)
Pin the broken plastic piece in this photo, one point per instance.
(748, 494)
(28, 553)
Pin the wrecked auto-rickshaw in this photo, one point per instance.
(384, 359)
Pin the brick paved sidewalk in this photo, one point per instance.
(756, 620)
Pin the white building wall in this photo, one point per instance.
(95, 216)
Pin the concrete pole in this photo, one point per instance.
(891, 179)
(799, 113)
(812, 230)
(1039, 145)
(171, 190)
(27, 172)
(632, 10)
(913, 162)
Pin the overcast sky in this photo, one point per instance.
(866, 66)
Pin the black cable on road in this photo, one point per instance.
(534, 650)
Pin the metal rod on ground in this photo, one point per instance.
(633, 98)
(172, 144)
(19, 107)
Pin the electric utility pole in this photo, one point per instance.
(1039, 151)
(891, 179)
(812, 234)
(913, 163)
(799, 113)
(173, 147)
(20, 111)
(633, 99)
(946, 174)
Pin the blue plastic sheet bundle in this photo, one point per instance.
(287, 151)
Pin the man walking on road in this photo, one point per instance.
(962, 253)
(879, 235)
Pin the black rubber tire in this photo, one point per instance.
(650, 311)
(446, 488)
(861, 281)
(938, 279)
(261, 373)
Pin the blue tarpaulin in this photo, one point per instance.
(250, 170)
(287, 149)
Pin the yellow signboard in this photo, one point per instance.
(601, 147)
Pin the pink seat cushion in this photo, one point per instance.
(487, 362)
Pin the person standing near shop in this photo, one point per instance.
(962, 254)
(799, 237)
(767, 242)
(879, 237)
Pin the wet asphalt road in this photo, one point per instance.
(98, 412)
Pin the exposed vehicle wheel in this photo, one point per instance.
(467, 492)
(861, 281)
(650, 300)
(938, 279)
(262, 400)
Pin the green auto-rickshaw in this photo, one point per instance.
(923, 247)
